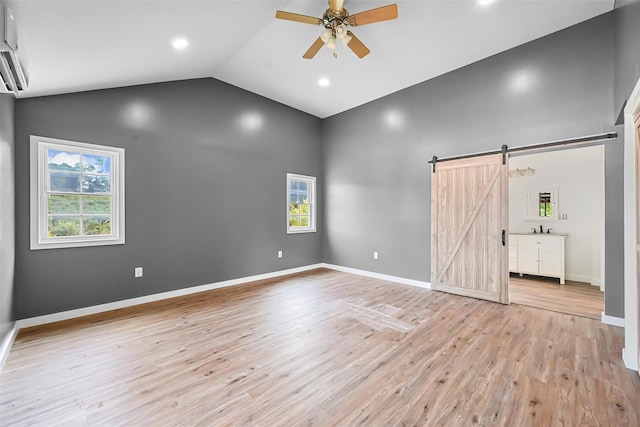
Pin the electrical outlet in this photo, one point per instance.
(138, 272)
(375, 255)
(279, 254)
(563, 216)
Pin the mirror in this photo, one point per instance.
(546, 207)
(542, 203)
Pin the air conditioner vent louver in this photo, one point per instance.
(13, 79)
(12, 73)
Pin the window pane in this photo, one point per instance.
(293, 191)
(64, 204)
(63, 160)
(304, 220)
(294, 221)
(96, 205)
(64, 226)
(67, 182)
(95, 225)
(96, 164)
(96, 184)
(303, 188)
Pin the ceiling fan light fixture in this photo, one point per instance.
(331, 43)
(346, 39)
(326, 35)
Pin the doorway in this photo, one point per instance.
(560, 193)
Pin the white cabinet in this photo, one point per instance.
(513, 253)
(541, 254)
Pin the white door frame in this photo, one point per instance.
(630, 350)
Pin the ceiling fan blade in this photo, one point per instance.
(336, 5)
(357, 46)
(384, 13)
(281, 14)
(315, 47)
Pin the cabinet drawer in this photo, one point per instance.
(551, 242)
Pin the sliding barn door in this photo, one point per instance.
(469, 223)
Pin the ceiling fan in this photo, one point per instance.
(336, 20)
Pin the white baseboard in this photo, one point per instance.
(404, 281)
(630, 361)
(6, 344)
(86, 311)
(581, 278)
(612, 320)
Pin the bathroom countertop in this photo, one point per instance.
(529, 233)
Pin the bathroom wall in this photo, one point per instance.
(579, 173)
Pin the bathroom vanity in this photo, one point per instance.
(537, 254)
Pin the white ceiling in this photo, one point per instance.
(78, 45)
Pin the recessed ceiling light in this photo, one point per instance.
(180, 43)
(485, 2)
(323, 82)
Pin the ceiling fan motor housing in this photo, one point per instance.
(331, 19)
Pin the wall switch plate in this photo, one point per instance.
(138, 272)
(279, 254)
(375, 255)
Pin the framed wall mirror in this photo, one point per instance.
(541, 203)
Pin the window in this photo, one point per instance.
(301, 203)
(77, 194)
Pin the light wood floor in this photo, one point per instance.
(579, 299)
(323, 348)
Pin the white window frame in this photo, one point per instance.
(38, 194)
(311, 182)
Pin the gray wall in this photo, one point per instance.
(614, 227)
(205, 194)
(200, 204)
(627, 54)
(7, 224)
(377, 178)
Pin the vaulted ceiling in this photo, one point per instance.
(73, 45)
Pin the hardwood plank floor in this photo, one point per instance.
(323, 348)
(579, 299)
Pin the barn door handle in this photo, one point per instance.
(504, 238)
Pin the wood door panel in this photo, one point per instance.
(468, 216)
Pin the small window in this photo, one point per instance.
(77, 194)
(301, 203)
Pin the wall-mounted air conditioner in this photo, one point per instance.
(13, 78)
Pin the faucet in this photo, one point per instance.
(541, 231)
(534, 230)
